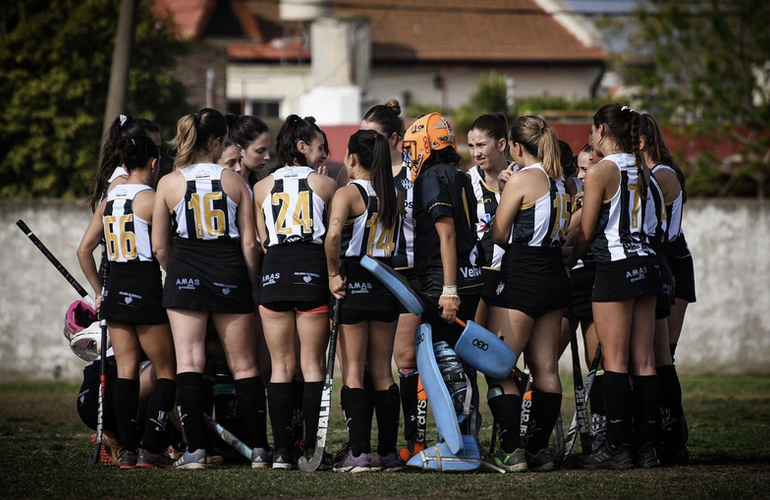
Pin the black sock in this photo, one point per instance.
(369, 388)
(672, 348)
(311, 403)
(646, 408)
(387, 408)
(355, 408)
(297, 411)
(506, 409)
(545, 411)
(408, 380)
(190, 401)
(158, 411)
(670, 401)
(617, 400)
(252, 409)
(598, 416)
(280, 396)
(226, 406)
(126, 401)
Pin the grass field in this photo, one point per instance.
(44, 447)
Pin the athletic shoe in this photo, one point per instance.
(282, 459)
(411, 449)
(261, 458)
(541, 462)
(194, 460)
(149, 460)
(386, 463)
(327, 461)
(340, 455)
(644, 458)
(107, 454)
(606, 458)
(353, 464)
(126, 459)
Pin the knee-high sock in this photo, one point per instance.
(545, 411)
(191, 405)
(646, 408)
(297, 411)
(506, 409)
(387, 410)
(355, 407)
(126, 402)
(408, 380)
(252, 409)
(311, 407)
(280, 396)
(617, 404)
(158, 411)
(598, 415)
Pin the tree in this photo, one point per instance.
(56, 62)
(707, 64)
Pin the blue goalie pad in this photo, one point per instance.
(394, 282)
(441, 459)
(438, 395)
(485, 351)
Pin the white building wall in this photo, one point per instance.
(726, 332)
(286, 84)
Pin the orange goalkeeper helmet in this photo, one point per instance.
(429, 133)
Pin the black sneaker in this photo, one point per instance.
(645, 458)
(606, 458)
(327, 461)
(340, 455)
(149, 460)
(126, 459)
(542, 462)
(282, 459)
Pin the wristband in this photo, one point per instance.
(449, 291)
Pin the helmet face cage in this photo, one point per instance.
(429, 133)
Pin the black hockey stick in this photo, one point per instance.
(573, 428)
(53, 260)
(581, 402)
(326, 400)
(102, 374)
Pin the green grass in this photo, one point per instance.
(44, 447)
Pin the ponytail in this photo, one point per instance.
(373, 152)
(534, 134)
(658, 151)
(193, 133)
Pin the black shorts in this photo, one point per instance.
(449, 332)
(88, 396)
(684, 277)
(134, 294)
(410, 275)
(581, 284)
(294, 272)
(366, 297)
(626, 279)
(492, 280)
(534, 280)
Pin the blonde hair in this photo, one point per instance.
(534, 134)
(193, 132)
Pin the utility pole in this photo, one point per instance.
(121, 58)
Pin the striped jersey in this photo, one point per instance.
(655, 220)
(673, 211)
(587, 259)
(404, 257)
(127, 235)
(205, 212)
(365, 234)
(487, 199)
(543, 223)
(118, 172)
(620, 228)
(293, 212)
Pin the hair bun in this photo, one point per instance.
(394, 105)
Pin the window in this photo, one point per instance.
(262, 108)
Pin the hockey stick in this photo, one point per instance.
(326, 400)
(102, 372)
(227, 436)
(580, 396)
(58, 265)
(573, 428)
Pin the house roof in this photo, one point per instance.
(509, 31)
